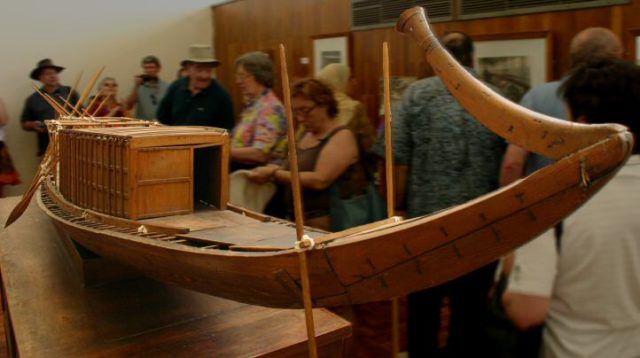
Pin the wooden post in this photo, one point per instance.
(298, 207)
(87, 90)
(73, 88)
(395, 316)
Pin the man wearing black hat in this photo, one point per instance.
(148, 89)
(36, 109)
(198, 99)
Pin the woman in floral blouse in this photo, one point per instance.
(260, 136)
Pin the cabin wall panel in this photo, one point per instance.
(249, 25)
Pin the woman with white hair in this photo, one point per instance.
(260, 136)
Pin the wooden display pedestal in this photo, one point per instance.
(92, 269)
(112, 312)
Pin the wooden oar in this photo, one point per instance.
(90, 85)
(42, 171)
(93, 101)
(47, 160)
(298, 207)
(75, 108)
(104, 101)
(73, 88)
(55, 105)
(395, 309)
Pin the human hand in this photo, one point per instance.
(39, 127)
(261, 175)
(137, 80)
(113, 111)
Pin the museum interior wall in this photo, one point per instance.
(82, 36)
(249, 25)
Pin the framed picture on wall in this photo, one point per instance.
(335, 48)
(632, 45)
(513, 62)
(638, 50)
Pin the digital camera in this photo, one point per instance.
(147, 78)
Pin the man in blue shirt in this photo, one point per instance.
(37, 109)
(198, 99)
(593, 42)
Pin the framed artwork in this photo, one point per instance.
(335, 48)
(632, 45)
(513, 62)
(637, 58)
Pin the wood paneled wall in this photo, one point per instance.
(250, 25)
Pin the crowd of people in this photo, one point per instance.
(579, 285)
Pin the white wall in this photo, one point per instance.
(82, 36)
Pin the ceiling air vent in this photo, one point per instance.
(369, 14)
(490, 8)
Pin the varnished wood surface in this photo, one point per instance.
(54, 316)
(374, 265)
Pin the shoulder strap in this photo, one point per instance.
(331, 134)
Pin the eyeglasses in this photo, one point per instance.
(303, 111)
(242, 77)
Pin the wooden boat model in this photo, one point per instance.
(128, 195)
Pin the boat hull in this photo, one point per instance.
(374, 265)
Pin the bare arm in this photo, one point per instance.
(525, 311)
(513, 164)
(334, 159)
(248, 155)
(528, 295)
(34, 126)
(133, 96)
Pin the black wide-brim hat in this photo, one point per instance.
(43, 65)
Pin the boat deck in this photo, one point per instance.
(229, 230)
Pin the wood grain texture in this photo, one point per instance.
(53, 315)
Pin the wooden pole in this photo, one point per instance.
(298, 207)
(73, 88)
(395, 316)
(73, 108)
(87, 90)
(93, 101)
(104, 101)
(56, 106)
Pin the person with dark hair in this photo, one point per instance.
(261, 135)
(327, 154)
(460, 46)
(444, 158)
(37, 109)
(148, 90)
(584, 283)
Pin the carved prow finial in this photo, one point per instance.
(551, 137)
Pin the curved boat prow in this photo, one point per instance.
(551, 137)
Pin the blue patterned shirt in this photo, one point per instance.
(452, 158)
